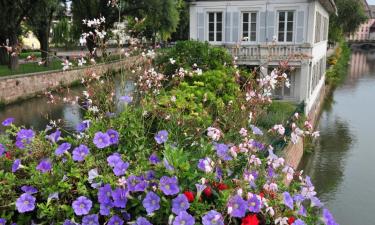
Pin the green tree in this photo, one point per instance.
(182, 31)
(12, 15)
(350, 15)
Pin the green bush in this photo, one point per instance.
(337, 72)
(186, 53)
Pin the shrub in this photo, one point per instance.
(339, 65)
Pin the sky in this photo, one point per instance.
(371, 2)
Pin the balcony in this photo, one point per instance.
(273, 53)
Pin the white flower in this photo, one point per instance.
(270, 211)
(93, 173)
(243, 132)
(172, 61)
(282, 221)
(214, 133)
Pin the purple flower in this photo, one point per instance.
(328, 218)
(205, 165)
(101, 140)
(69, 222)
(288, 200)
(222, 152)
(169, 185)
(82, 206)
(119, 197)
(2, 221)
(54, 137)
(120, 168)
(154, 159)
(90, 220)
(80, 153)
(114, 159)
(24, 136)
(83, 126)
(315, 202)
(105, 194)
(167, 165)
(150, 175)
(136, 183)
(115, 220)
(105, 208)
(44, 166)
(302, 211)
(213, 218)
(2, 149)
(29, 189)
(298, 198)
(113, 136)
(161, 137)
(25, 203)
(16, 165)
(254, 204)
(8, 121)
(237, 206)
(142, 221)
(299, 222)
(180, 204)
(218, 173)
(256, 130)
(151, 202)
(184, 218)
(127, 99)
(62, 148)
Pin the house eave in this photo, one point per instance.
(329, 5)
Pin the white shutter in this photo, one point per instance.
(200, 26)
(300, 27)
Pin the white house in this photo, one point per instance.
(264, 32)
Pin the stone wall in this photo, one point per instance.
(17, 87)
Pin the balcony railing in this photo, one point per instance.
(270, 52)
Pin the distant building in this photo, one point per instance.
(263, 32)
(364, 31)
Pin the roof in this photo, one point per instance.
(329, 5)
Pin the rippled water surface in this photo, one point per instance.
(342, 165)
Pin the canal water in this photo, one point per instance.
(342, 165)
(38, 112)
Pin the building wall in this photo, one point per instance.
(363, 32)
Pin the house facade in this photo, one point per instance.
(264, 32)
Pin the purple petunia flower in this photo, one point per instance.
(62, 148)
(2, 149)
(29, 189)
(81, 127)
(16, 165)
(120, 168)
(299, 222)
(161, 137)
(315, 202)
(25, 203)
(105, 209)
(213, 218)
(44, 166)
(82, 206)
(169, 185)
(167, 165)
(119, 197)
(254, 204)
(126, 98)
(222, 152)
(69, 222)
(184, 218)
(54, 137)
(114, 159)
(302, 211)
(288, 200)
(180, 204)
(115, 220)
(142, 221)
(150, 175)
(80, 153)
(2, 221)
(154, 159)
(218, 173)
(105, 194)
(206, 165)
(237, 206)
(328, 218)
(136, 183)
(151, 202)
(298, 198)
(90, 220)
(256, 130)
(113, 136)
(7, 122)
(101, 140)
(24, 137)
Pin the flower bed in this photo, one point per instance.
(187, 153)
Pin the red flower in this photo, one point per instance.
(208, 192)
(222, 187)
(261, 194)
(291, 220)
(250, 220)
(7, 154)
(189, 195)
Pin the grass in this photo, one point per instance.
(32, 67)
(23, 55)
(277, 113)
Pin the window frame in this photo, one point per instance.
(285, 30)
(249, 22)
(215, 32)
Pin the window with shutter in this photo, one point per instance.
(215, 26)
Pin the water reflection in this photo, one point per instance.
(341, 165)
(37, 113)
